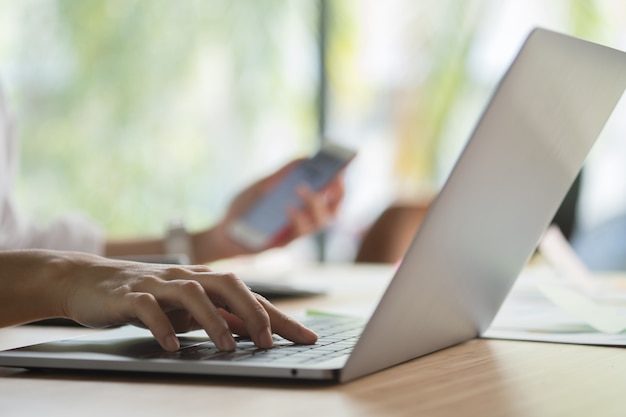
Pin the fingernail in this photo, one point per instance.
(171, 343)
(228, 343)
(265, 338)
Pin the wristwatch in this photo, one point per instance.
(178, 243)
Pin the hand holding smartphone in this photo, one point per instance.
(264, 222)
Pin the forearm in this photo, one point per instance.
(100, 292)
(207, 246)
(32, 283)
(134, 247)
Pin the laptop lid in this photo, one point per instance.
(522, 157)
(505, 188)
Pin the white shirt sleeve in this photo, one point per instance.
(73, 232)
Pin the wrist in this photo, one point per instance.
(41, 289)
(214, 244)
(65, 275)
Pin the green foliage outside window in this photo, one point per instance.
(138, 111)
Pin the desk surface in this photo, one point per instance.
(480, 377)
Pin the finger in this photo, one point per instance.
(300, 223)
(233, 295)
(190, 295)
(335, 193)
(182, 321)
(201, 298)
(315, 206)
(146, 308)
(234, 323)
(287, 327)
(281, 324)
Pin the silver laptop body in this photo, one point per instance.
(505, 188)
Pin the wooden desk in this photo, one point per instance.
(477, 378)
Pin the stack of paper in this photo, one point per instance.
(561, 301)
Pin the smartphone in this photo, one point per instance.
(265, 221)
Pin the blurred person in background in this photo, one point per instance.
(77, 232)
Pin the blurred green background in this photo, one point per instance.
(140, 111)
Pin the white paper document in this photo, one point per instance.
(561, 301)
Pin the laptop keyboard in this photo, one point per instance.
(337, 337)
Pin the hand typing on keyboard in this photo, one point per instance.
(337, 337)
(167, 299)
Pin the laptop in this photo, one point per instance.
(484, 225)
